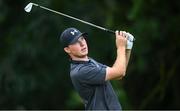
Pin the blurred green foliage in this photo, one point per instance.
(34, 70)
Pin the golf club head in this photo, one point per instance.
(28, 7)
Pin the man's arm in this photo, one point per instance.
(119, 67)
(111, 74)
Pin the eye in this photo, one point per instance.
(81, 38)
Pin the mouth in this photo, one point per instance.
(84, 49)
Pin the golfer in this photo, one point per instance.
(90, 78)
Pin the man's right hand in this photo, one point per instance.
(120, 39)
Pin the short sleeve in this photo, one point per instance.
(92, 74)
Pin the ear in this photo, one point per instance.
(67, 50)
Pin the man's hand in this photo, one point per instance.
(130, 39)
(121, 40)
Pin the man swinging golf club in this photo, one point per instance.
(90, 78)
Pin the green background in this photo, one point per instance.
(34, 69)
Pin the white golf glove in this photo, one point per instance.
(130, 39)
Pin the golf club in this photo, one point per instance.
(28, 9)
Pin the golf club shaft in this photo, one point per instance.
(93, 25)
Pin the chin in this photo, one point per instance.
(83, 55)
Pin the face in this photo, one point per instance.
(78, 49)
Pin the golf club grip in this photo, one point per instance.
(113, 32)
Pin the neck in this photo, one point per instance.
(80, 59)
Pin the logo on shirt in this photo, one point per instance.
(73, 32)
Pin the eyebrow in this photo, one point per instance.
(80, 37)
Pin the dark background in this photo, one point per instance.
(34, 70)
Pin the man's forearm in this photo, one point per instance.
(120, 63)
(128, 54)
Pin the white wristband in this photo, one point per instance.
(130, 40)
(129, 44)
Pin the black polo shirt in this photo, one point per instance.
(88, 78)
